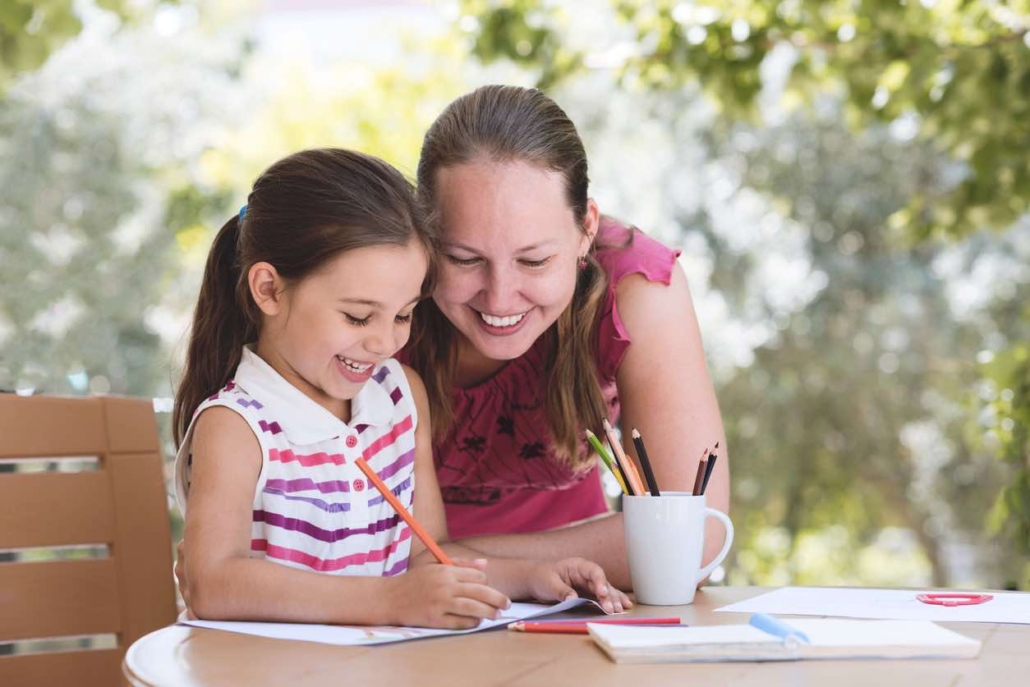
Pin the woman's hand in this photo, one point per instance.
(573, 577)
(451, 597)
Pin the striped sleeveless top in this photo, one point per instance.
(313, 508)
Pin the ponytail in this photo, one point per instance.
(223, 322)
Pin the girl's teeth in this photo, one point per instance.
(353, 365)
(508, 321)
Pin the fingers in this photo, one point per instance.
(484, 595)
(475, 563)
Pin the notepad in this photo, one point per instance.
(827, 639)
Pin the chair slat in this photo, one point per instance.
(142, 545)
(59, 598)
(56, 509)
(99, 668)
(131, 425)
(50, 426)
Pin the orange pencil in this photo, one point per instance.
(628, 467)
(403, 512)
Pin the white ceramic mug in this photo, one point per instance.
(665, 537)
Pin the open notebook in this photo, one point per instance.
(826, 639)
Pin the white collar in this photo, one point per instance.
(302, 419)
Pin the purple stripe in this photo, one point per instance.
(305, 484)
(383, 372)
(390, 470)
(338, 507)
(396, 492)
(315, 532)
(397, 568)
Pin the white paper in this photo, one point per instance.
(885, 604)
(362, 635)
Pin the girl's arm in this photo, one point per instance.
(227, 584)
(665, 393)
(518, 578)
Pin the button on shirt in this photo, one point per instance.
(313, 508)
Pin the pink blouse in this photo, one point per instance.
(496, 467)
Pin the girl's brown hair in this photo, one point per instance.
(508, 123)
(303, 211)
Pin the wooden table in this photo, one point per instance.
(194, 657)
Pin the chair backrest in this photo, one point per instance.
(121, 504)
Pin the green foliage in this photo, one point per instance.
(962, 68)
(30, 30)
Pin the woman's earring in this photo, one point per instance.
(582, 263)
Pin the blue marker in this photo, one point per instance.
(770, 625)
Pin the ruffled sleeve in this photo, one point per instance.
(622, 250)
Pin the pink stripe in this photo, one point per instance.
(306, 460)
(387, 439)
(332, 564)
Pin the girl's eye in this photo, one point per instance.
(537, 263)
(355, 321)
(463, 262)
(404, 319)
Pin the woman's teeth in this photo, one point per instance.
(357, 367)
(509, 321)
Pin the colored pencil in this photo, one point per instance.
(578, 626)
(399, 508)
(700, 478)
(628, 469)
(606, 459)
(652, 483)
(712, 457)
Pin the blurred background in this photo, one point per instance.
(848, 180)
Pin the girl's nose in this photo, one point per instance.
(382, 342)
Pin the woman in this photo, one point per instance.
(548, 318)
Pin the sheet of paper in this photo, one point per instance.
(359, 635)
(884, 604)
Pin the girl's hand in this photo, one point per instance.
(451, 597)
(572, 577)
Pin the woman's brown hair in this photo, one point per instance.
(508, 123)
(303, 211)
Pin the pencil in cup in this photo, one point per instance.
(700, 477)
(645, 463)
(607, 460)
(630, 471)
(399, 508)
(712, 457)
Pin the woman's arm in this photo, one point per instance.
(665, 393)
(227, 584)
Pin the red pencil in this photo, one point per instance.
(579, 627)
(403, 512)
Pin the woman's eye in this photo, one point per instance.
(537, 263)
(356, 321)
(463, 262)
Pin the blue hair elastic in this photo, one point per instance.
(243, 212)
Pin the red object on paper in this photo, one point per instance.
(954, 599)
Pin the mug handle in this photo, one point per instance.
(725, 519)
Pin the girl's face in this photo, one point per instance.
(326, 333)
(511, 245)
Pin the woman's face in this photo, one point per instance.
(511, 245)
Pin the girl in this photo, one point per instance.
(306, 295)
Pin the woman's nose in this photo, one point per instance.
(500, 290)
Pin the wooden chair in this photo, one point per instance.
(121, 503)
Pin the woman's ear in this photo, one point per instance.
(591, 222)
(266, 287)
